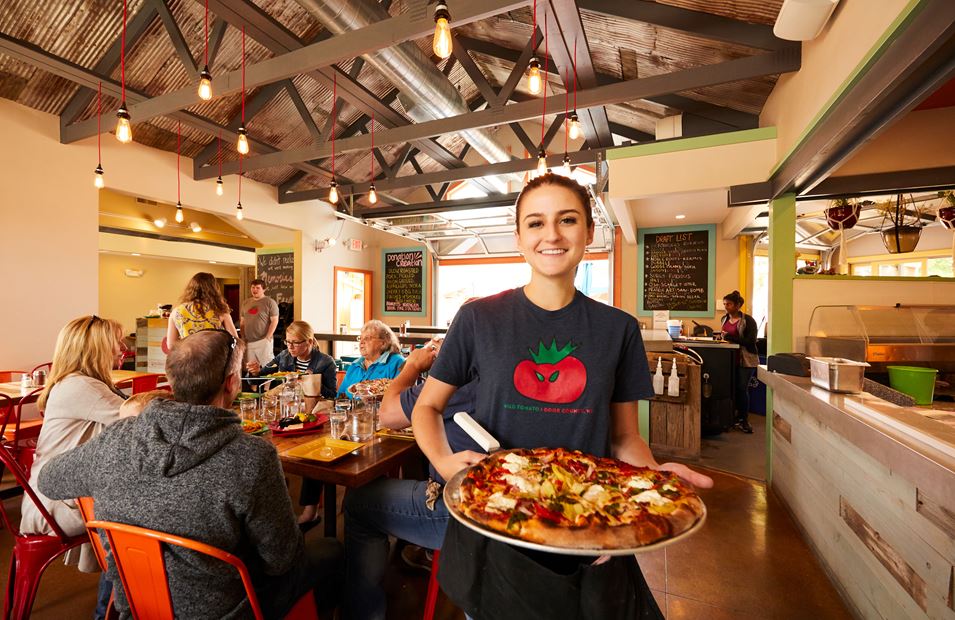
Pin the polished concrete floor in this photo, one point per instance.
(736, 452)
(747, 562)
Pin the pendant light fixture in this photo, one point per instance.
(534, 81)
(574, 121)
(98, 181)
(179, 215)
(205, 78)
(442, 44)
(219, 184)
(333, 186)
(372, 194)
(124, 132)
(242, 144)
(238, 207)
(566, 169)
(542, 155)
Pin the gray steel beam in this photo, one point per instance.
(428, 208)
(566, 28)
(520, 60)
(216, 33)
(404, 27)
(353, 73)
(303, 111)
(178, 41)
(697, 77)
(471, 68)
(701, 24)
(135, 28)
(925, 179)
(631, 134)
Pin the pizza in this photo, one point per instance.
(371, 387)
(565, 498)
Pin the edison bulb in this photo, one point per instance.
(372, 194)
(574, 130)
(205, 84)
(124, 132)
(566, 167)
(542, 162)
(333, 193)
(98, 182)
(442, 38)
(242, 144)
(219, 186)
(238, 211)
(179, 216)
(534, 82)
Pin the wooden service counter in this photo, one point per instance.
(872, 486)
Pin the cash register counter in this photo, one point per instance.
(872, 486)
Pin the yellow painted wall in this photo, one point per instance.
(827, 61)
(125, 299)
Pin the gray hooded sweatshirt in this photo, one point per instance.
(189, 470)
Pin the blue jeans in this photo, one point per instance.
(103, 592)
(385, 507)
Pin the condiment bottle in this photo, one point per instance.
(673, 383)
(658, 377)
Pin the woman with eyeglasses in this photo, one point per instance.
(301, 355)
(202, 306)
(78, 402)
(380, 356)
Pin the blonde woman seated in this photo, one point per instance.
(202, 306)
(79, 402)
(302, 356)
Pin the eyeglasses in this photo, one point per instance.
(293, 343)
(228, 357)
(367, 338)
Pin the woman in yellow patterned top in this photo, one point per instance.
(201, 306)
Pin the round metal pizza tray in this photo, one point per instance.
(452, 499)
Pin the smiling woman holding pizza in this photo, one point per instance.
(554, 369)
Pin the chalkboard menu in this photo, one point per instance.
(405, 272)
(277, 268)
(676, 270)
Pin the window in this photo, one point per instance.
(939, 267)
(910, 267)
(352, 305)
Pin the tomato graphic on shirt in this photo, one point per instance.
(552, 375)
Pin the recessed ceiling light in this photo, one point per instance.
(212, 262)
(136, 254)
(196, 228)
(159, 222)
(681, 217)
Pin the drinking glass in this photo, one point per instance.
(248, 408)
(270, 408)
(360, 424)
(337, 416)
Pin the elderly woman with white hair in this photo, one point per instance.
(380, 356)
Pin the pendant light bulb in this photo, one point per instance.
(242, 144)
(179, 216)
(195, 227)
(238, 212)
(567, 170)
(124, 132)
(219, 186)
(574, 131)
(98, 177)
(205, 84)
(542, 162)
(159, 222)
(534, 83)
(442, 31)
(372, 194)
(333, 193)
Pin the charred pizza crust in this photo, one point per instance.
(568, 499)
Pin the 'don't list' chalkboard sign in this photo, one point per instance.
(277, 268)
(676, 270)
(405, 281)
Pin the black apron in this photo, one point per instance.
(489, 579)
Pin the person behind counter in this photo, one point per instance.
(380, 356)
(302, 356)
(202, 306)
(592, 408)
(741, 328)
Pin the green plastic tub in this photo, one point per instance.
(919, 383)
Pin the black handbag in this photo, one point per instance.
(490, 579)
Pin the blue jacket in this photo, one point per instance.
(385, 367)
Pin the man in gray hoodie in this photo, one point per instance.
(185, 467)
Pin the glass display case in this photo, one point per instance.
(882, 335)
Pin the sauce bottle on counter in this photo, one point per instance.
(673, 384)
(658, 377)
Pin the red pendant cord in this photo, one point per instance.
(220, 154)
(575, 75)
(178, 150)
(546, 62)
(243, 76)
(372, 147)
(334, 119)
(206, 29)
(566, 118)
(122, 57)
(99, 116)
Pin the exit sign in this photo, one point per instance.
(355, 245)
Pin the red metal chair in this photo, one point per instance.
(20, 436)
(137, 553)
(32, 553)
(432, 598)
(47, 366)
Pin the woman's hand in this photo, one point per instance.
(453, 463)
(695, 478)
(253, 367)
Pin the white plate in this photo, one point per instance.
(452, 498)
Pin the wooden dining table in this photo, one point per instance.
(141, 382)
(378, 457)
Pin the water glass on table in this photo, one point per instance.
(269, 409)
(248, 409)
(337, 416)
(360, 425)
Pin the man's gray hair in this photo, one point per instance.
(196, 365)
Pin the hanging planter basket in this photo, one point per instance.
(946, 215)
(842, 214)
(901, 225)
(901, 239)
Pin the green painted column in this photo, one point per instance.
(643, 415)
(782, 269)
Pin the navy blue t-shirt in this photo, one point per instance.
(546, 378)
(462, 400)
